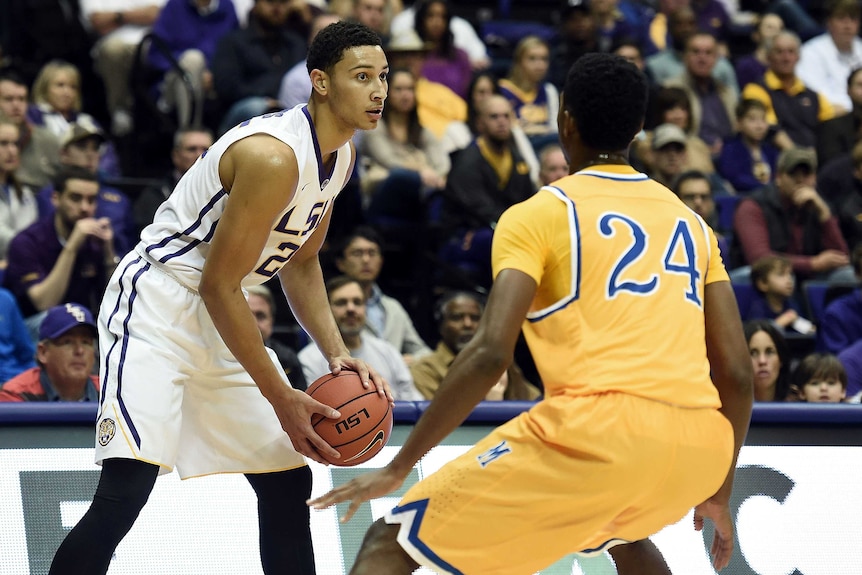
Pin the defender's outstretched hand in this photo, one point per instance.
(722, 541)
(359, 489)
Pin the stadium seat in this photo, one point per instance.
(818, 294)
(726, 206)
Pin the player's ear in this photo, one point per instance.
(319, 82)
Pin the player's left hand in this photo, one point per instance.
(367, 373)
(722, 541)
(358, 490)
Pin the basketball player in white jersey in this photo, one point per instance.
(186, 379)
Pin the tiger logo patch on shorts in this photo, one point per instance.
(107, 428)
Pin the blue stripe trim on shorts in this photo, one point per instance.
(188, 231)
(413, 536)
(110, 319)
(132, 295)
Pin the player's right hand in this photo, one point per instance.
(294, 410)
(358, 490)
(722, 541)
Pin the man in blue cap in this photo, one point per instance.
(65, 354)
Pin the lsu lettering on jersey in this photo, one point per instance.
(183, 227)
(621, 266)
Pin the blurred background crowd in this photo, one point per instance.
(754, 116)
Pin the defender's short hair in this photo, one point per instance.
(607, 97)
(327, 48)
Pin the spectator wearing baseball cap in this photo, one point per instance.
(65, 354)
(789, 218)
(82, 146)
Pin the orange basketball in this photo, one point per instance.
(366, 417)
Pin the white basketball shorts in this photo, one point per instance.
(172, 393)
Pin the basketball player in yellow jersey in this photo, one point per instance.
(628, 310)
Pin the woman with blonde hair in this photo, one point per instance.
(57, 106)
(534, 101)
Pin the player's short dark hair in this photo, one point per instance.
(607, 97)
(447, 298)
(72, 173)
(327, 48)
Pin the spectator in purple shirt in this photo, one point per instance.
(81, 148)
(445, 63)
(841, 326)
(751, 67)
(64, 257)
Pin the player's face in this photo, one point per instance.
(13, 101)
(9, 153)
(82, 154)
(69, 359)
(766, 364)
(362, 260)
(262, 314)
(359, 85)
(460, 321)
(62, 92)
(348, 309)
(77, 201)
(192, 145)
(822, 390)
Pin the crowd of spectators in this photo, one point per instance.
(754, 121)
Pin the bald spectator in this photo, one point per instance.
(552, 164)
(296, 84)
(791, 106)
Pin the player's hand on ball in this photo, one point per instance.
(367, 373)
(722, 541)
(358, 490)
(294, 410)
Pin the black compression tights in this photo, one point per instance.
(124, 487)
(285, 533)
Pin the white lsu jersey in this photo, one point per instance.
(179, 238)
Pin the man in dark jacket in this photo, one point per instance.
(249, 63)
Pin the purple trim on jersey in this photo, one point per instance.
(413, 535)
(322, 176)
(191, 245)
(197, 223)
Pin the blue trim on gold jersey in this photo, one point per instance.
(638, 177)
(419, 508)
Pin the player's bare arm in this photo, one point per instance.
(732, 376)
(260, 174)
(302, 281)
(475, 370)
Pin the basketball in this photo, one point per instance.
(366, 418)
